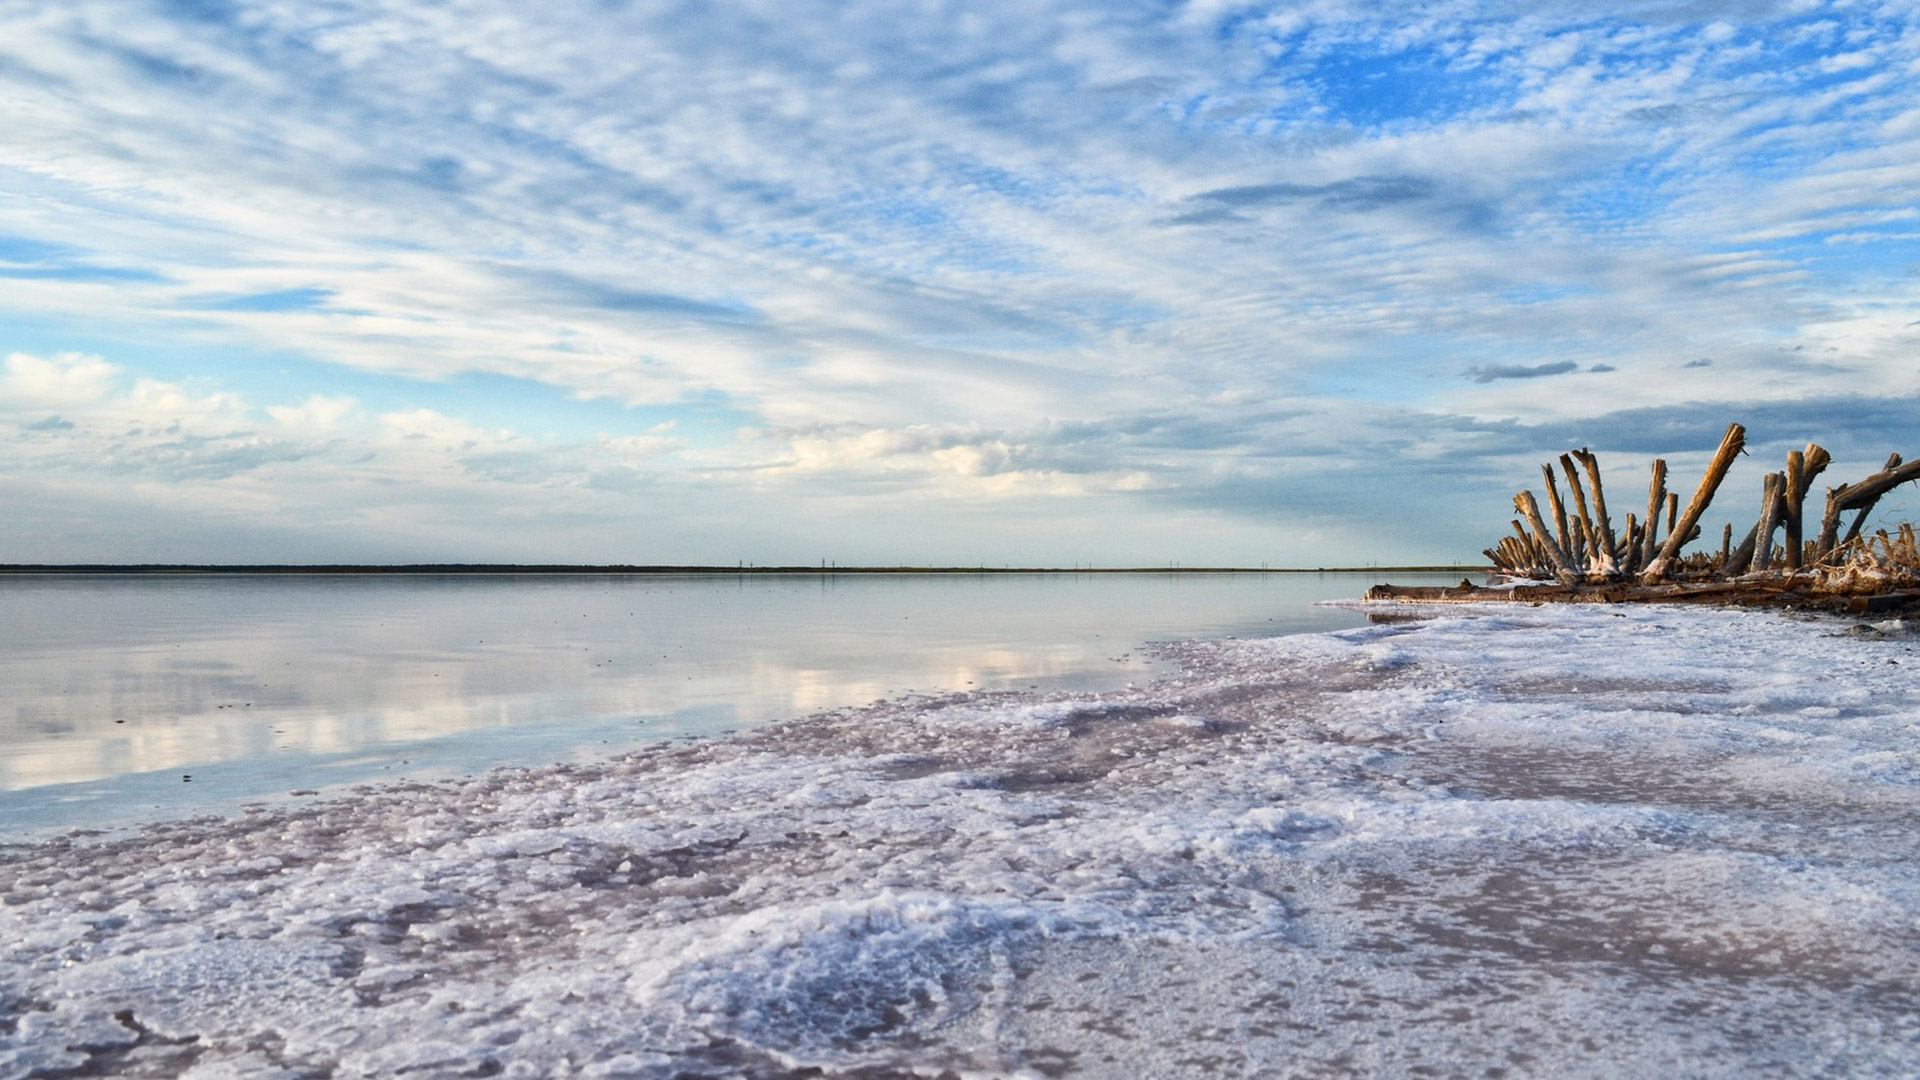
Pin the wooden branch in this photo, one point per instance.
(1673, 509)
(1732, 445)
(1863, 495)
(1591, 560)
(1631, 544)
(1559, 511)
(1726, 545)
(1562, 567)
(1609, 548)
(1869, 490)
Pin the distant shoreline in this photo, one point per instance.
(449, 569)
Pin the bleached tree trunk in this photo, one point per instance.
(1732, 444)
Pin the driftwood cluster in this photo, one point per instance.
(1585, 547)
(1585, 556)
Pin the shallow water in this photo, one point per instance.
(116, 690)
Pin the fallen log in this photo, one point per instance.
(1863, 495)
(1768, 593)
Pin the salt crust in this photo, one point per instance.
(1516, 841)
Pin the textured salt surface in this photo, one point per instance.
(1514, 842)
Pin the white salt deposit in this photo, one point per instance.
(1523, 841)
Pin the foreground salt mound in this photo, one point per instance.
(1519, 842)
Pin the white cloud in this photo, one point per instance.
(431, 426)
(318, 413)
(65, 380)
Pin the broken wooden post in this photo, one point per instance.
(1772, 499)
(1802, 467)
(1796, 468)
(1650, 525)
(1732, 444)
(1823, 544)
(1726, 545)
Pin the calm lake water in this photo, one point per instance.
(115, 690)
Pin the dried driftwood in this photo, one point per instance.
(1732, 445)
(1650, 525)
(1772, 508)
(1802, 467)
(1608, 561)
(1579, 548)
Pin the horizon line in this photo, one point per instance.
(679, 569)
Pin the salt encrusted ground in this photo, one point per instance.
(1514, 842)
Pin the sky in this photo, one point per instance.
(1037, 283)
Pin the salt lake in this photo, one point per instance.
(138, 697)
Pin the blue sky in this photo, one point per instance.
(1034, 283)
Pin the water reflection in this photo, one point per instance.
(109, 678)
